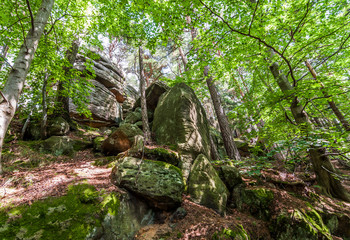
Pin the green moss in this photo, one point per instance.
(166, 165)
(72, 216)
(301, 224)
(104, 161)
(239, 234)
(162, 154)
(264, 195)
(313, 222)
(79, 145)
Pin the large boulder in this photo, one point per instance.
(103, 105)
(180, 121)
(231, 176)
(131, 96)
(57, 127)
(257, 201)
(32, 132)
(136, 116)
(157, 182)
(106, 96)
(153, 93)
(106, 73)
(131, 215)
(121, 139)
(58, 145)
(205, 186)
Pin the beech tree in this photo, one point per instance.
(15, 81)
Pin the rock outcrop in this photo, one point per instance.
(153, 93)
(107, 93)
(58, 127)
(158, 182)
(205, 186)
(180, 122)
(58, 145)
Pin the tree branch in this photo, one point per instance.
(297, 28)
(20, 22)
(289, 120)
(7, 62)
(31, 14)
(251, 22)
(254, 37)
(317, 39)
(325, 59)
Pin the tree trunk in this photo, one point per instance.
(331, 103)
(62, 96)
(5, 49)
(43, 132)
(26, 124)
(15, 81)
(183, 58)
(322, 166)
(230, 146)
(145, 125)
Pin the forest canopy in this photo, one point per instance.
(281, 68)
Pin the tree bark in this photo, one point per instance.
(15, 81)
(322, 166)
(5, 49)
(230, 146)
(145, 125)
(62, 96)
(183, 58)
(26, 124)
(43, 132)
(331, 103)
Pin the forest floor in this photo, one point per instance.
(33, 176)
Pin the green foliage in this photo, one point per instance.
(72, 216)
(239, 233)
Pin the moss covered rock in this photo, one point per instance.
(257, 201)
(158, 154)
(153, 93)
(132, 215)
(97, 143)
(158, 182)
(300, 224)
(72, 216)
(230, 175)
(32, 132)
(205, 186)
(57, 127)
(121, 139)
(58, 145)
(180, 121)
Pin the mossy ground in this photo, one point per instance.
(225, 234)
(71, 216)
(25, 154)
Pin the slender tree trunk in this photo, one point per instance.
(229, 143)
(15, 81)
(5, 49)
(331, 103)
(183, 58)
(26, 124)
(43, 132)
(145, 125)
(62, 96)
(321, 164)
